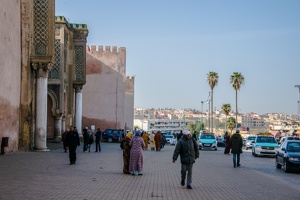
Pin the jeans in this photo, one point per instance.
(189, 168)
(236, 159)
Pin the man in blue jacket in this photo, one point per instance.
(188, 149)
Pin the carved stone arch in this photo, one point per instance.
(55, 105)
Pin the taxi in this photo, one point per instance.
(264, 144)
(208, 141)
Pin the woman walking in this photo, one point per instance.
(227, 143)
(136, 154)
(152, 141)
(126, 152)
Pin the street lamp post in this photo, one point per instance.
(201, 116)
(298, 86)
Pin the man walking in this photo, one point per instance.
(98, 136)
(72, 142)
(188, 149)
(236, 144)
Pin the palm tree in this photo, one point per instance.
(236, 80)
(212, 79)
(231, 123)
(226, 109)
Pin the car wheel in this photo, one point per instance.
(109, 140)
(286, 168)
(255, 155)
(252, 153)
(246, 148)
(278, 166)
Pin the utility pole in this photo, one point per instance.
(298, 86)
(201, 116)
(208, 101)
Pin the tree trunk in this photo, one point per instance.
(212, 110)
(236, 112)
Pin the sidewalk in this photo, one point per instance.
(48, 175)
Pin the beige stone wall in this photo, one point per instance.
(129, 102)
(104, 92)
(10, 56)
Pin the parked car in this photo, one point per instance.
(169, 137)
(221, 142)
(111, 135)
(287, 138)
(173, 141)
(264, 145)
(249, 142)
(288, 155)
(208, 141)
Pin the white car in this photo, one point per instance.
(249, 142)
(169, 138)
(173, 141)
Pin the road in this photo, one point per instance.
(48, 175)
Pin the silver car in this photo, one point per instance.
(249, 141)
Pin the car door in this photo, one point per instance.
(281, 153)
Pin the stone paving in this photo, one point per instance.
(48, 175)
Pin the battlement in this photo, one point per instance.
(107, 50)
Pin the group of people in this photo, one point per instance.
(133, 153)
(235, 144)
(70, 139)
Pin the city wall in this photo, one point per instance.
(104, 93)
(10, 56)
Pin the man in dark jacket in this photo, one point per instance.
(85, 136)
(72, 142)
(98, 136)
(179, 135)
(236, 144)
(188, 149)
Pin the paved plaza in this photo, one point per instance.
(48, 175)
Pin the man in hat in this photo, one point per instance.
(236, 144)
(188, 149)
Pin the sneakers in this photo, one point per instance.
(182, 182)
(238, 165)
(189, 187)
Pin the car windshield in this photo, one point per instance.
(207, 137)
(169, 136)
(251, 138)
(266, 140)
(293, 147)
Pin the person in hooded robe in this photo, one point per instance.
(227, 143)
(136, 154)
(152, 141)
(145, 138)
(158, 139)
(126, 152)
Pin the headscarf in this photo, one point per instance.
(138, 133)
(129, 135)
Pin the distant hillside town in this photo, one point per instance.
(174, 120)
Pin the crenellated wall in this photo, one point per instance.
(104, 95)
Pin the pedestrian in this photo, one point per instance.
(126, 152)
(179, 135)
(72, 141)
(227, 143)
(90, 140)
(98, 136)
(146, 139)
(152, 141)
(188, 149)
(136, 154)
(85, 136)
(64, 140)
(163, 141)
(157, 139)
(236, 145)
(195, 135)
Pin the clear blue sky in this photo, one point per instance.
(172, 45)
